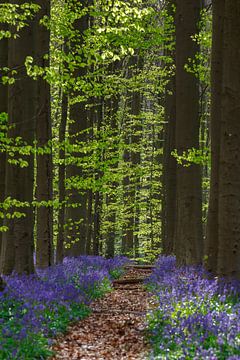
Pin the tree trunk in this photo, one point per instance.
(3, 109)
(98, 198)
(111, 111)
(169, 162)
(76, 211)
(169, 169)
(17, 242)
(89, 222)
(229, 167)
(61, 181)
(44, 181)
(211, 244)
(188, 226)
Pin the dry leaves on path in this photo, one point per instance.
(114, 330)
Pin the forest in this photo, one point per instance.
(119, 179)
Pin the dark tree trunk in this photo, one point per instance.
(3, 109)
(44, 180)
(211, 244)
(17, 242)
(229, 167)
(188, 229)
(76, 210)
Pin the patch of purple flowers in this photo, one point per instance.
(36, 307)
(196, 317)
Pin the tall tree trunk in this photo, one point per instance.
(169, 169)
(211, 244)
(132, 157)
(44, 181)
(17, 242)
(61, 181)
(111, 111)
(98, 198)
(188, 228)
(169, 163)
(229, 167)
(3, 109)
(76, 216)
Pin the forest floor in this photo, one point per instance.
(115, 330)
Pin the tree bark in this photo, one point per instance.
(3, 109)
(76, 216)
(61, 183)
(229, 167)
(17, 242)
(188, 228)
(44, 180)
(211, 243)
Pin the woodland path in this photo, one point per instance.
(115, 330)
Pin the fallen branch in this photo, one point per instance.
(129, 281)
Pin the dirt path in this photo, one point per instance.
(115, 329)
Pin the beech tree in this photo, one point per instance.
(188, 225)
(229, 159)
(211, 244)
(44, 178)
(3, 113)
(17, 242)
(77, 199)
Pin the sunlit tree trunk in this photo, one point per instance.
(188, 228)
(61, 181)
(211, 244)
(44, 180)
(98, 198)
(169, 162)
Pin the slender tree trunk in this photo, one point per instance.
(132, 156)
(188, 228)
(98, 199)
(229, 167)
(169, 162)
(111, 110)
(89, 222)
(211, 244)
(61, 184)
(17, 242)
(169, 169)
(44, 192)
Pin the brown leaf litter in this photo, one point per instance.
(115, 330)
